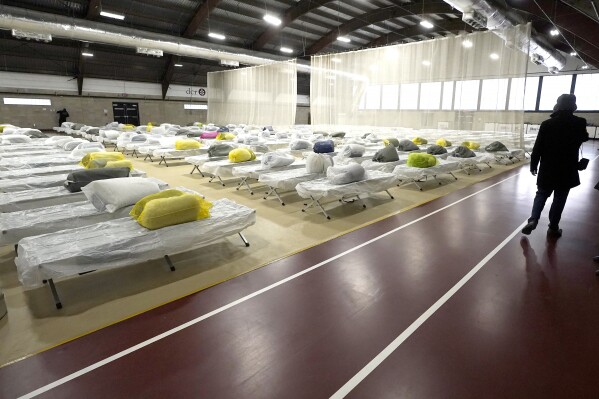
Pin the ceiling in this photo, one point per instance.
(308, 27)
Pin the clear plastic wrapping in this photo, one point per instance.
(384, 166)
(48, 170)
(405, 172)
(374, 182)
(32, 183)
(36, 162)
(224, 167)
(173, 153)
(288, 179)
(122, 242)
(257, 170)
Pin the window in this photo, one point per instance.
(373, 97)
(26, 101)
(408, 96)
(447, 96)
(493, 94)
(195, 106)
(529, 90)
(553, 87)
(430, 95)
(390, 97)
(587, 90)
(466, 95)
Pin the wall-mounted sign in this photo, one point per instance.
(189, 92)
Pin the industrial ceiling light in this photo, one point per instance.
(112, 15)
(87, 54)
(271, 19)
(584, 67)
(573, 54)
(427, 24)
(216, 36)
(467, 43)
(554, 32)
(494, 56)
(343, 39)
(178, 65)
(150, 51)
(286, 50)
(40, 37)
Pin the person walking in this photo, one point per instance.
(62, 116)
(556, 148)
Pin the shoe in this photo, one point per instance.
(555, 233)
(532, 224)
(596, 259)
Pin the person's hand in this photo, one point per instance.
(534, 172)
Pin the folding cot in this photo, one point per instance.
(172, 154)
(199, 160)
(246, 172)
(468, 164)
(224, 168)
(318, 189)
(42, 171)
(37, 162)
(412, 175)
(31, 152)
(43, 197)
(122, 242)
(285, 180)
(509, 157)
(384, 166)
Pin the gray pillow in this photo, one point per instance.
(338, 134)
(407, 145)
(94, 131)
(436, 150)
(220, 149)
(463, 152)
(393, 141)
(139, 138)
(81, 178)
(387, 154)
(496, 146)
(259, 148)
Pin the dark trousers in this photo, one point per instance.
(557, 206)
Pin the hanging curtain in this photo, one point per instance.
(261, 95)
(467, 82)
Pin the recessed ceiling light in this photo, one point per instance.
(178, 65)
(467, 43)
(286, 50)
(426, 63)
(113, 15)
(494, 56)
(554, 32)
(336, 60)
(584, 67)
(573, 54)
(86, 54)
(426, 24)
(271, 19)
(344, 39)
(216, 36)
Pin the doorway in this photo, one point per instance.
(126, 113)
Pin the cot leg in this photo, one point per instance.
(161, 160)
(221, 181)
(244, 181)
(164, 159)
(387, 191)
(135, 153)
(322, 209)
(268, 193)
(278, 196)
(195, 167)
(149, 156)
(169, 263)
(57, 301)
(360, 199)
(245, 241)
(452, 175)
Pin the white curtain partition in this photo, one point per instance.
(470, 82)
(261, 95)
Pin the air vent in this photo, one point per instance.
(475, 19)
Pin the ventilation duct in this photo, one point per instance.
(96, 32)
(497, 21)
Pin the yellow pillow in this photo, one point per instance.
(140, 205)
(108, 156)
(421, 160)
(149, 127)
(187, 144)
(419, 141)
(444, 143)
(120, 164)
(241, 155)
(225, 136)
(163, 212)
(473, 145)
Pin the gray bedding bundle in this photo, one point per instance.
(346, 174)
(407, 145)
(387, 154)
(393, 141)
(338, 134)
(496, 146)
(220, 149)
(463, 152)
(81, 178)
(436, 150)
(300, 145)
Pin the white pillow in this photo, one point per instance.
(16, 138)
(277, 160)
(71, 145)
(113, 194)
(318, 163)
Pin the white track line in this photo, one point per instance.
(190, 323)
(385, 353)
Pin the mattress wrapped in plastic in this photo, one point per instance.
(373, 182)
(174, 153)
(224, 167)
(122, 242)
(473, 161)
(31, 153)
(36, 162)
(405, 172)
(256, 170)
(286, 180)
(28, 172)
(276, 160)
(15, 139)
(37, 198)
(383, 166)
(32, 222)
(31, 183)
(345, 174)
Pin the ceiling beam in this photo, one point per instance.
(292, 13)
(93, 9)
(200, 16)
(374, 17)
(452, 25)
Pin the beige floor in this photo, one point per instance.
(96, 300)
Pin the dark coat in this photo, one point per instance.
(556, 147)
